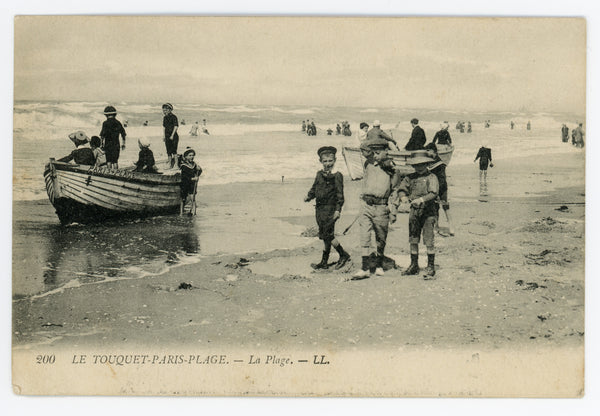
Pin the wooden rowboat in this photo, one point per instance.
(355, 161)
(86, 194)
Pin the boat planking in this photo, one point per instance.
(86, 194)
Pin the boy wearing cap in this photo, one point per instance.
(328, 191)
(145, 163)
(377, 209)
(421, 190)
(190, 172)
(83, 154)
(171, 138)
(111, 129)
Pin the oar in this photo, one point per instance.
(193, 207)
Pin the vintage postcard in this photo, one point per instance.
(299, 206)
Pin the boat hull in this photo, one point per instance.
(355, 161)
(91, 195)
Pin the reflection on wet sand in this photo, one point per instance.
(56, 255)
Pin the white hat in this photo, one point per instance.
(376, 123)
(144, 142)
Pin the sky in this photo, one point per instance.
(507, 64)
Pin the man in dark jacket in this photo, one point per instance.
(417, 138)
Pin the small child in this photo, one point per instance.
(145, 163)
(82, 155)
(111, 129)
(171, 138)
(485, 158)
(99, 155)
(421, 190)
(377, 209)
(328, 190)
(190, 172)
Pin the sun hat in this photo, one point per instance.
(445, 125)
(376, 123)
(326, 149)
(144, 142)
(168, 105)
(188, 151)
(418, 159)
(109, 109)
(79, 137)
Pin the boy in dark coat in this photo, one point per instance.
(328, 190)
(417, 137)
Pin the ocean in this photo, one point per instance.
(246, 144)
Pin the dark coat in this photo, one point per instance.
(417, 139)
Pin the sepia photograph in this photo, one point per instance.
(299, 206)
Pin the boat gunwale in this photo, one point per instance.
(132, 176)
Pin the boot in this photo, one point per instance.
(430, 267)
(323, 263)
(373, 263)
(379, 265)
(344, 258)
(364, 271)
(414, 266)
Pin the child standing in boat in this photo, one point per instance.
(190, 172)
(328, 190)
(171, 138)
(111, 129)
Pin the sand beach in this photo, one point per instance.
(512, 275)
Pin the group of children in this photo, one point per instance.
(384, 189)
(105, 150)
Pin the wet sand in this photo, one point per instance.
(512, 276)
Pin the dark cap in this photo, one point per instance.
(168, 105)
(363, 125)
(415, 121)
(188, 151)
(326, 149)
